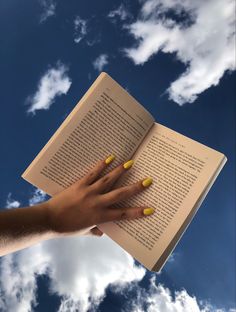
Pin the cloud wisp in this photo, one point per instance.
(120, 13)
(83, 33)
(11, 203)
(204, 41)
(100, 62)
(80, 26)
(53, 83)
(49, 9)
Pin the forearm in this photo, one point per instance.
(23, 227)
(74, 211)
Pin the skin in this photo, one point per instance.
(74, 211)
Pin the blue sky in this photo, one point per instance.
(177, 59)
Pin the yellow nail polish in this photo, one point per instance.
(128, 164)
(109, 159)
(148, 211)
(147, 182)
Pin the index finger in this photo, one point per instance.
(94, 173)
(106, 182)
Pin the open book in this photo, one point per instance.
(109, 120)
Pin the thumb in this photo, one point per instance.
(96, 231)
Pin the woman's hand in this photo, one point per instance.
(75, 210)
(89, 201)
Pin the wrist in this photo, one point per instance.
(45, 217)
(52, 218)
(49, 211)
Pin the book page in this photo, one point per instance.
(181, 169)
(106, 120)
(161, 261)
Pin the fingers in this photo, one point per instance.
(124, 192)
(105, 183)
(116, 214)
(94, 173)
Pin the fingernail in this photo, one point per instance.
(148, 211)
(128, 164)
(109, 159)
(147, 182)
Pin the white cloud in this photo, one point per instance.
(80, 269)
(18, 273)
(11, 203)
(49, 8)
(121, 12)
(100, 62)
(37, 197)
(205, 42)
(93, 265)
(53, 83)
(80, 26)
(160, 299)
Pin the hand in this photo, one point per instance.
(88, 201)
